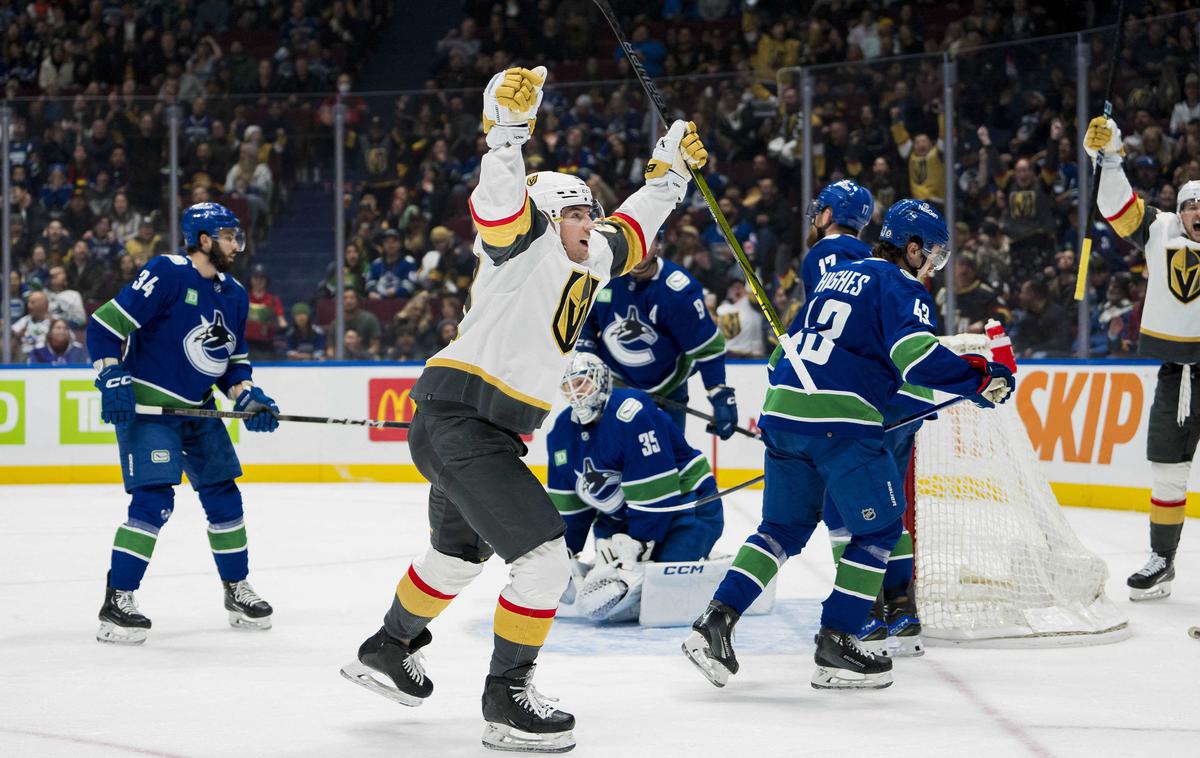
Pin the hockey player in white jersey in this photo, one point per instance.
(1170, 332)
(544, 250)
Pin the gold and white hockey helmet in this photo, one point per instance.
(551, 192)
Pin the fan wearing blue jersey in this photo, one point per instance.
(621, 467)
(164, 340)
(652, 329)
(836, 216)
(866, 331)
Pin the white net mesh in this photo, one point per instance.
(996, 560)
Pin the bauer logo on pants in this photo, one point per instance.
(390, 400)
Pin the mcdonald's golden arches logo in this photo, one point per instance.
(390, 400)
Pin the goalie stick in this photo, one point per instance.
(154, 410)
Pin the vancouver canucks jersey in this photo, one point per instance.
(183, 332)
(632, 465)
(835, 250)
(867, 329)
(655, 333)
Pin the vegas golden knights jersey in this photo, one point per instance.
(1171, 316)
(529, 300)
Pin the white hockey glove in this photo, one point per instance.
(1104, 134)
(612, 590)
(678, 149)
(510, 104)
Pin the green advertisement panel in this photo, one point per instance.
(12, 412)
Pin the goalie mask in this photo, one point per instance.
(551, 192)
(586, 384)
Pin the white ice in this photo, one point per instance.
(328, 558)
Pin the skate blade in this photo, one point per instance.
(120, 635)
(369, 678)
(504, 737)
(242, 621)
(905, 647)
(826, 678)
(696, 650)
(1157, 592)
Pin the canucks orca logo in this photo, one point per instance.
(599, 488)
(209, 345)
(625, 337)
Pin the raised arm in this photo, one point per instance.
(1120, 205)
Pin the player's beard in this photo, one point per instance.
(220, 261)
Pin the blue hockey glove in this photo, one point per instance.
(725, 415)
(997, 381)
(116, 395)
(255, 401)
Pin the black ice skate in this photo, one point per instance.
(904, 628)
(121, 623)
(521, 719)
(710, 645)
(842, 663)
(874, 634)
(1152, 581)
(388, 667)
(246, 609)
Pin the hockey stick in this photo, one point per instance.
(154, 410)
(760, 295)
(902, 422)
(1085, 252)
(661, 400)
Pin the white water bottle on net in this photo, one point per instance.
(996, 561)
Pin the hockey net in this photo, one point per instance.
(996, 561)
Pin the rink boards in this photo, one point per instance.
(1086, 421)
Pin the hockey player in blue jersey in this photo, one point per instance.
(652, 329)
(164, 340)
(837, 215)
(619, 464)
(866, 331)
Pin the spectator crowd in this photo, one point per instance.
(90, 82)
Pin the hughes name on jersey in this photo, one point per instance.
(834, 250)
(529, 300)
(183, 332)
(867, 330)
(633, 465)
(654, 333)
(1170, 328)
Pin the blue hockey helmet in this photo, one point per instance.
(916, 218)
(210, 218)
(850, 202)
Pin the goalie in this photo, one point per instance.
(621, 467)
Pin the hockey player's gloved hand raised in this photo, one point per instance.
(1103, 134)
(255, 401)
(997, 383)
(510, 103)
(678, 149)
(725, 415)
(116, 395)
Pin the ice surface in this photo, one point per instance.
(328, 557)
